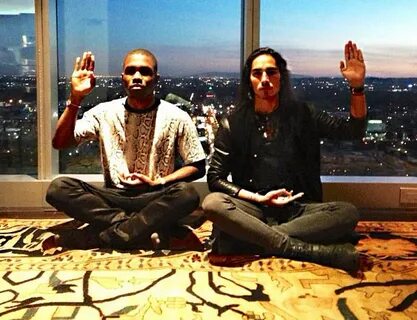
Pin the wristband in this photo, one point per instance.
(71, 105)
(359, 91)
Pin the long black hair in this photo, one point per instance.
(286, 94)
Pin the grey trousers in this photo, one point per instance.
(123, 217)
(245, 227)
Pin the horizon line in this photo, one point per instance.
(219, 74)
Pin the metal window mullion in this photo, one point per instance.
(250, 28)
(47, 85)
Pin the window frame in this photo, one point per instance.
(370, 194)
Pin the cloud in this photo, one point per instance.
(194, 60)
(380, 61)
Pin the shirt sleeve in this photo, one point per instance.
(340, 128)
(221, 162)
(87, 128)
(189, 145)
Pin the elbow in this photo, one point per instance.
(213, 184)
(201, 170)
(59, 144)
(56, 145)
(210, 182)
(201, 173)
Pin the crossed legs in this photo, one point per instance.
(122, 218)
(300, 236)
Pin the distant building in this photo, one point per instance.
(376, 130)
(376, 126)
(17, 47)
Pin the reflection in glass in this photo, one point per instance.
(18, 130)
(197, 44)
(311, 37)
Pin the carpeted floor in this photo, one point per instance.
(103, 284)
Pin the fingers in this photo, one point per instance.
(144, 178)
(130, 179)
(280, 201)
(86, 63)
(276, 193)
(122, 177)
(92, 63)
(77, 64)
(283, 191)
(298, 195)
(347, 51)
(135, 176)
(360, 56)
(352, 51)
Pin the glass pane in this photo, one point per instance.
(311, 36)
(18, 136)
(197, 44)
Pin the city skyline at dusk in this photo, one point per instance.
(309, 34)
(390, 145)
(312, 43)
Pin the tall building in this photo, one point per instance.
(17, 47)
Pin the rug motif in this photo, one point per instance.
(105, 284)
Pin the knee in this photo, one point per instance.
(349, 213)
(56, 187)
(212, 204)
(187, 192)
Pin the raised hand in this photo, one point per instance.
(83, 79)
(353, 69)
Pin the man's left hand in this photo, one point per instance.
(278, 198)
(130, 180)
(138, 179)
(149, 181)
(353, 69)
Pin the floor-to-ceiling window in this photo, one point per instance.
(18, 129)
(197, 44)
(311, 36)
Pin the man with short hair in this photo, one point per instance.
(271, 148)
(140, 137)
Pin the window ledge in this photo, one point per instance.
(368, 179)
(365, 192)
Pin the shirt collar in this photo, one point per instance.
(149, 109)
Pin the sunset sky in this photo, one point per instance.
(194, 36)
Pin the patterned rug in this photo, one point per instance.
(105, 284)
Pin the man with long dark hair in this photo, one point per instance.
(271, 147)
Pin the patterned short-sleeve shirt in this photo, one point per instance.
(144, 142)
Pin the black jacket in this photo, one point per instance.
(302, 125)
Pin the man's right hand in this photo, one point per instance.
(83, 79)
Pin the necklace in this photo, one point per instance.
(267, 127)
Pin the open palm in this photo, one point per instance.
(277, 198)
(353, 70)
(83, 78)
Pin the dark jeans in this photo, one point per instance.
(243, 227)
(123, 217)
